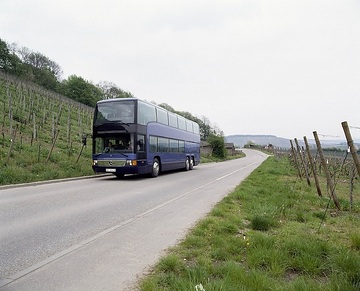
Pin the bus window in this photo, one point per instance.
(146, 113)
(196, 128)
(141, 147)
(115, 144)
(181, 146)
(131, 143)
(174, 145)
(153, 144)
(163, 144)
(114, 111)
(98, 145)
(173, 120)
(189, 125)
(162, 116)
(181, 122)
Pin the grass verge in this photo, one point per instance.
(269, 234)
(213, 159)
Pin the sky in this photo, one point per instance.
(278, 67)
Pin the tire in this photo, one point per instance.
(191, 166)
(155, 171)
(187, 164)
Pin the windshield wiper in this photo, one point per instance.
(111, 122)
(121, 122)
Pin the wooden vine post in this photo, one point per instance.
(352, 187)
(11, 145)
(68, 125)
(313, 168)
(302, 162)
(34, 135)
(295, 159)
(328, 177)
(351, 145)
(83, 140)
(52, 146)
(10, 114)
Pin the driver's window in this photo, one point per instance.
(141, 143)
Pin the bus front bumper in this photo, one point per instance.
(119, 167)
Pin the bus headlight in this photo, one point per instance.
(95, 162)
(131, 162)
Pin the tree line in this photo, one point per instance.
(39, 69)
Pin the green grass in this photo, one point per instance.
(32, 107)
(269, 234)
(212, 159)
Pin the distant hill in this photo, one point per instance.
(241, 140)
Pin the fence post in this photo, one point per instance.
(11, 145)
(351, 145)
(313, 168)
(52, 146)
(328, 177)
(352, 187)
(295, 159)
(302, 161)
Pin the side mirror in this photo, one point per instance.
(83, 139)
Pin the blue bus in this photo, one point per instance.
(131, 136)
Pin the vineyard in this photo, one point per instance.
(335, 174)
(43, 134)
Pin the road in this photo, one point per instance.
(103, 233)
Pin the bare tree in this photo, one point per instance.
(111, 91)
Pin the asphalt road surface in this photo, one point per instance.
(103, 233)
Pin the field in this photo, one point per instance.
(274, 232)
(41, 134)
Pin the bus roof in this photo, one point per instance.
(135, 99)
(117, 99)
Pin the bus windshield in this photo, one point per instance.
(122, 112)
(119, 143)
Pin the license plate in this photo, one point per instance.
(110, 170)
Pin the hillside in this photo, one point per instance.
(41, 134)
(241, 140)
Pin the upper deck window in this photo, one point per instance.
(189, 125)
(181, 122)
(173, 119)
(196, 128)
(115, 111)
(162, 116)
(146, 113)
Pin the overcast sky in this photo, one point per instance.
(285, 68)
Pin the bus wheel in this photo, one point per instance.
(191, 166)
(187, 164)
(155, 168)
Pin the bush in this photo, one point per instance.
(218, 145)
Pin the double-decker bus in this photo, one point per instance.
(131, 136)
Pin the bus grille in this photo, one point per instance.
(111, 163)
